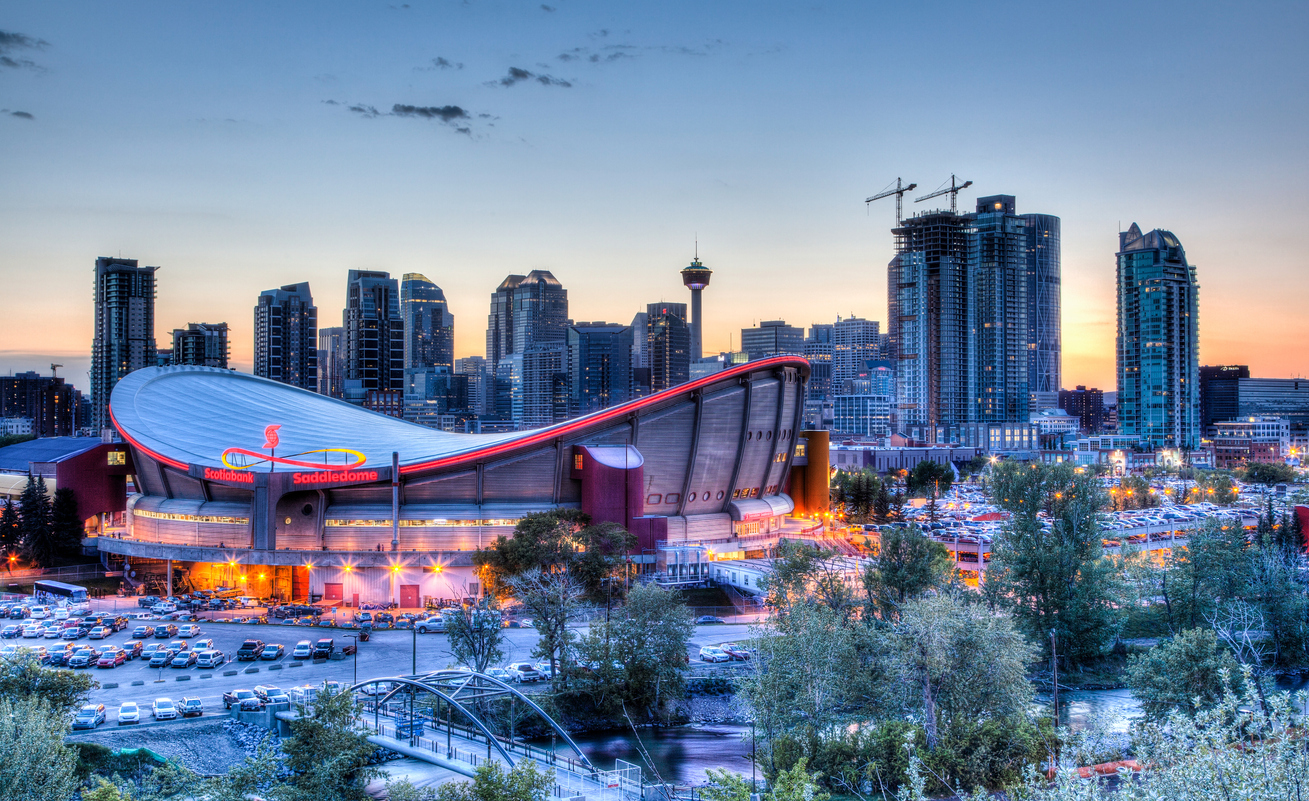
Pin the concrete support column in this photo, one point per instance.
(169, 592)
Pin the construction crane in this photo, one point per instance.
(954, 189)
(899, 196)
(54, 370)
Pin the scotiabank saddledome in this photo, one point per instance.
(296, 494)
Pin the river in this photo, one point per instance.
(682, 754)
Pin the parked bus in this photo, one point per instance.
(50, 590)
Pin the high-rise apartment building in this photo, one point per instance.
(599, 366)
(428, 324)
(668, 343)
(855, 342)
(331, 362)
(770, 338)
(1044, 304)
(1087, 405)
(286, 336)
(1158, 340)
(818, 351)
(374, 332)
(124, 328)
(545, 385)
(51, 406)
(203, 344)
(999, 358)
(480, 386)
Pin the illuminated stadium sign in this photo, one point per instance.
(235, 476)
(334, 476)
(246, 459)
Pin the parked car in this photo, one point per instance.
(147, 601)
(164, 608)
(324, 648)
(210, 659)
(84, 658)
(500, 673)
(75, 632)
(738, 652)
(100, 632)
(11, 631)
(435, 625)
(708, 620)
(710, 653)
(183, 660)
(163, 709)
(192, 707)
(143, 632)
(524, 671)
(189, 630)
(303, 650)
(89, 716)
(129, 712)
(206, 644)
(242, 699)
(272, 651)
(117, 622)
(271, 695)
(111, 658)
(149, 649)
(166, 631)
(133, 648)
(250, 650)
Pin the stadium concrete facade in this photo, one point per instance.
(244, 481)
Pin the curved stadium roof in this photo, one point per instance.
(191, 415)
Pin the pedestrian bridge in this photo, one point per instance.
(459, 720)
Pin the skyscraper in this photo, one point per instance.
(47, 401)
(696, 277)
(1044, 299)
(540, 314)
(480, 385)
(818, 350)
(203, 344)
(374, 332)
(1158, 340)
(286, 336)
(528, 321)
(331, 362)
(668, 342)
(998, 363)
(429, 326)
(770, 338)
(500, 322)
(599, 366)
(854, 343)
(124, 328)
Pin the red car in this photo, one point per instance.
(111, 658)
(737, 652)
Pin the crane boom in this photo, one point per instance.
(953, 190)
(898, 191)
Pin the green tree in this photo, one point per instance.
(328, 753)
(1267, 474)
(556, 541)
(1185, 674)
(1214, 487)
(1213, 567)
(1279, 589)
(1052, 572)
(908, 564)
(801, 572)
(523, 782)
(11, 527)
(38, 537)
(553, 599)
(65, 523)
(793, 784)
(959, 664)
(24, 677)
(35, 765)
(476, 636)
(929, 478)
(1135, 493)
(636, 660)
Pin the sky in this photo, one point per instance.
(243, 146)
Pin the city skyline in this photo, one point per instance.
(239, 161)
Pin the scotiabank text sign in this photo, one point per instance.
(233, 476)
(334, 477)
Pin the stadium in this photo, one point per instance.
(249, 483)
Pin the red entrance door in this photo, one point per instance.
(333, 592)
(409, 596)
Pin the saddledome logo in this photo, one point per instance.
(333, 476)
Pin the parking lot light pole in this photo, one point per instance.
(414, 667)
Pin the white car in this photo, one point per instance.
(164, 608)
(32, 632)
(303, 650)
(711, 653)
(61, 613)
(163, 709)
(433, 624)
(188, 630)
(39, 612)
(129, 712)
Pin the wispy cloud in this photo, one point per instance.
(456, 117)
(547, 9)
(12, 42)
(440, 63)
(607, 54)
(22, 115)
(442, 113)
(518, 75)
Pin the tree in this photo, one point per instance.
(1266, 473)
(636, 660)
(795, 784)
(1214, 487)
(801, 572)
(553, 599)
(556, 541)
(1052, 572)
(887, 505)
(35, 765)
(64, 691)
(1184, 674)
(1135, 493)
(908, 564)
(65, 524)
(929, 478)
(959, 665)
(523, 782)
(38, 538)
(11, 528)
(327, 753)
(475, 635)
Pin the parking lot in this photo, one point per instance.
(387, 653)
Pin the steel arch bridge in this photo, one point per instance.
(460, 690)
